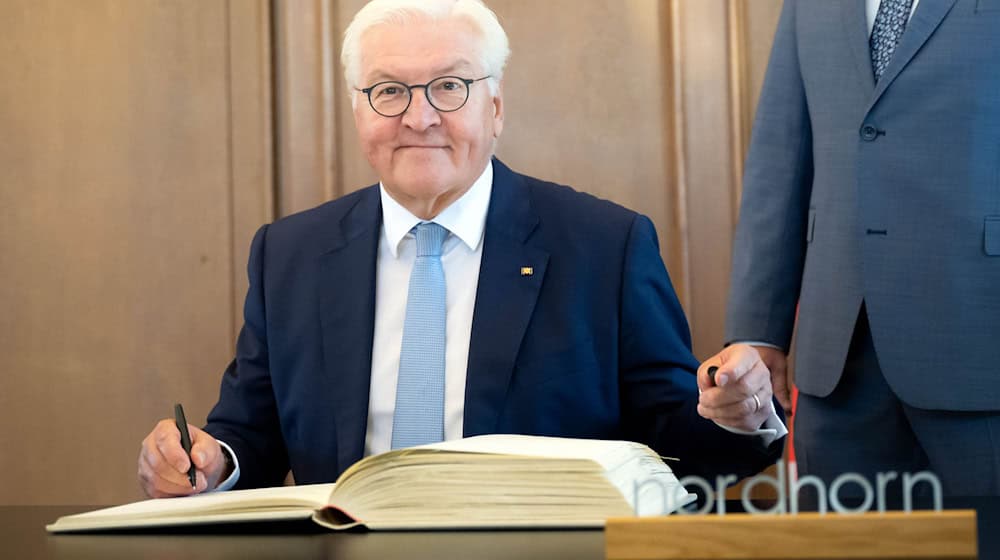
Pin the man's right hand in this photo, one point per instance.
(163, 464)
(777, 361)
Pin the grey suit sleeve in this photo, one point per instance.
(769, 249)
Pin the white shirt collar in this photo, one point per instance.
(465, 218)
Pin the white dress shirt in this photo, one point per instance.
(465, 220)
(871, 10)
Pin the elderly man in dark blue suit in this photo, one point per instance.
(456, 297)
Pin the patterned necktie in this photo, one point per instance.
(419, 414)
(890, 21)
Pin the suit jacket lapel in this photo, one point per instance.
(925, 20)
(347, 319)
(852, 17)
(505, 299)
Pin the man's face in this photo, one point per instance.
(427, 159)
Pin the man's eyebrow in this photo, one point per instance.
(379, 77)
(459, 67)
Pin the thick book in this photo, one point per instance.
(482, 482)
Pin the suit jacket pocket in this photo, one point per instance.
(987, 6)
(542, 368)
(561, 390)
(991, 236)
(810, 226)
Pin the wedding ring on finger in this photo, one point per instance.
(756, 404)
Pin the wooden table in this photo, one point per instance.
(22, 535)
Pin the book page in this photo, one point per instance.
(433, 488)
(645, 481)
(284, 502)
(607, 453)
(649, 485)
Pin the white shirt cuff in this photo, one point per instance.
(231, 481)
(772, 429)
(758, 343)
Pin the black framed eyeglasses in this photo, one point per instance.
(446, 94)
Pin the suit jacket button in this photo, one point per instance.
(868, 132)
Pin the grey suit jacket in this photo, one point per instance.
(886, 193)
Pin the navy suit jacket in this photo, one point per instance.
(593, 344)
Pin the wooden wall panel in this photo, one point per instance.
(761, 19)
(582, 108)
(251, 136)
(304, 72)
(118, 228)
(353, 169)
(587, 104)
(710, 177)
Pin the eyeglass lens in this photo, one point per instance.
(445, 94)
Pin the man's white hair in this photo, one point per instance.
(493, 51)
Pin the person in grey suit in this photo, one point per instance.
(871, 212)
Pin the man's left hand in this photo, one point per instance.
(740, 396)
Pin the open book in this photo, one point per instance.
(482, 482)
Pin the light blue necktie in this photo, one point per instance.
(890, 22)
(419, 415)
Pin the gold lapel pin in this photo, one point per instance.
(527, 271)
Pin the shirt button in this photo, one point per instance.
(868, 132)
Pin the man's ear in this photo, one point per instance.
(498, 111)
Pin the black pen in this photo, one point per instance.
(182, 426)
(711, 374)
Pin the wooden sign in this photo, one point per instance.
(806, 536)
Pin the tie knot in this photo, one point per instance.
(430, 238)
